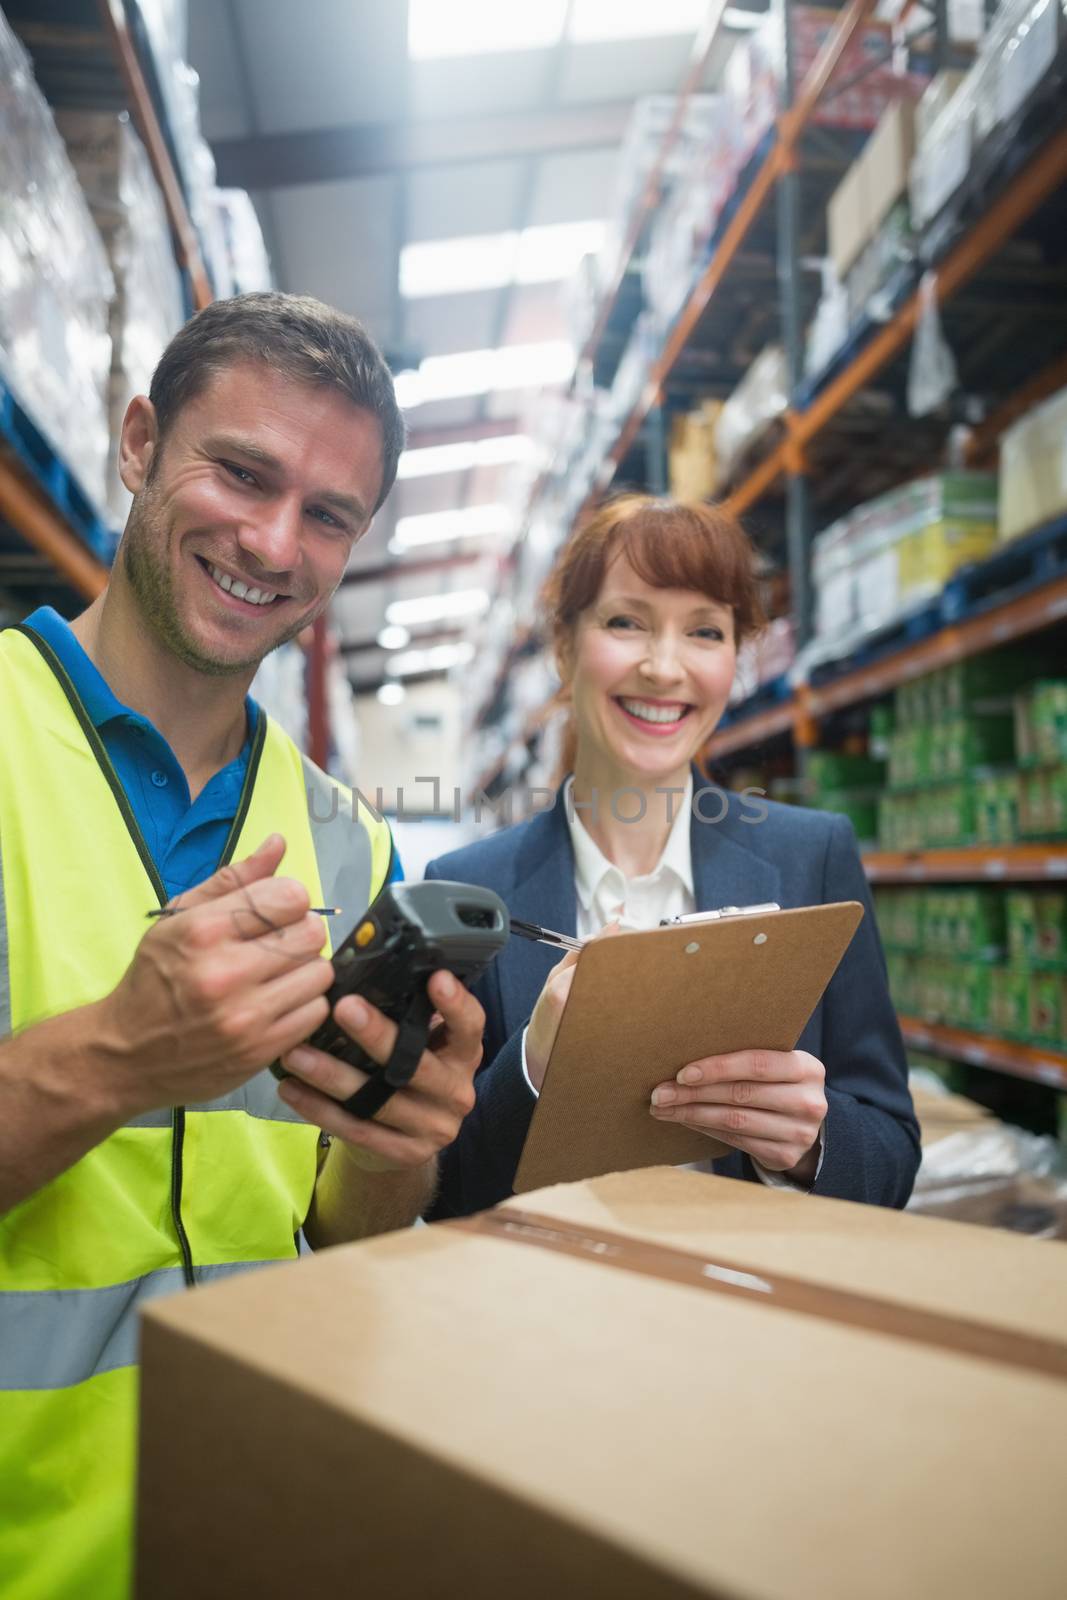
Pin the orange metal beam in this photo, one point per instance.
(999, 625)
(752, 730)
(985, 438)
(1019, 863)
(116, 28)
(42, 527)
(757, 483)
(698, 60)
(982, 1050)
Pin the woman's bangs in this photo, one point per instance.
(683, 552)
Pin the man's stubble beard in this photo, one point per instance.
(150, 580)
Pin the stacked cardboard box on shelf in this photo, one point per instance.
(692, 464)
(982, 958)
(891, 555)
(975, 758)
(1012, 65)
(867, 82)
(1033, 468)
(449, 1410)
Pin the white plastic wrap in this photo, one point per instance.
(148, 306)
(55, 283)
(932, 374)
(249, 264)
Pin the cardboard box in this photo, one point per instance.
(647, 1386)
(849, 224)
(886, 160)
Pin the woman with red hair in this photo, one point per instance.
(648, 605)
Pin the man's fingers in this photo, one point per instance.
(262, 863)
(394, 1148)
(463, 1017)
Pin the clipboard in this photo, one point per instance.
(643, 1005)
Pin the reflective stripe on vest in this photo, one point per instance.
(78, 1257)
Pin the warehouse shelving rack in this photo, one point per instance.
(819, 432)
(52, 543)
(1032, 1062)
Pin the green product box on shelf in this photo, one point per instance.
(979, 678)
(980, 924)
(880, 724)
(935, 981)
(1048, 1008)
(964, 743)
(1048, 719)
(1043, 803)
(971, 996)
(996, 808)
(948, 816)
(1010, 1002)
(937, 922)
(1022, 926)
(1051, 948)
(838, 769)
(861, 810)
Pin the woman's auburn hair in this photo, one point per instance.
(671, 544)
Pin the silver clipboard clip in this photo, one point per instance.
(723, 911)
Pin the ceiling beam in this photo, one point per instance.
(368, 149)
(394, 571)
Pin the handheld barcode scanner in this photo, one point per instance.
(410, 932)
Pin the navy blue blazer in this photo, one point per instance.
(794, 856)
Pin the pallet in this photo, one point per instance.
(768, 695)
(1013, 570)
(21, 436)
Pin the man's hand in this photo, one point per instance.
(419, 1119)
(218, 991)
(769, 1103)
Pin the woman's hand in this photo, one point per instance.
(544, 1023)
(769, 1103)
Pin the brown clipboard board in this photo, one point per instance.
(643, 1005)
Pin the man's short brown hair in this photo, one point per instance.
(297, 336)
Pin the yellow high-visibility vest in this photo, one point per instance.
(182, 1194)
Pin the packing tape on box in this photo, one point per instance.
(959, 1335)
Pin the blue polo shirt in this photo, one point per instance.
(185, 837)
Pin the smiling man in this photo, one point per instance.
(144, 1144)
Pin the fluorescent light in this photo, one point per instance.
(453, 266)
(512, 366)
(743, 21)
(478, 27)
(435, 526)
(438, 607)
(392, 694)
(438, 658)
(633, 19)
(466, 454)
(394, 638)
(552, 253)
(547, 254)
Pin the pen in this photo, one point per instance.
(315, 911)
(530, 930)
